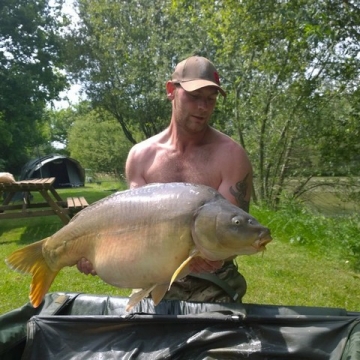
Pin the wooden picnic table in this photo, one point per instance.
(53, 204)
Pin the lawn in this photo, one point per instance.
(290, 275)
(286, 274)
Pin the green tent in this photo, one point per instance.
(67, 171)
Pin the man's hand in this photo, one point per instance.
(86, 267)
(200, 265)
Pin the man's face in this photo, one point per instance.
(193, 110)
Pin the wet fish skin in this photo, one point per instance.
(144, 238)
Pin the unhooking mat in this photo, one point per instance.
(81, 326)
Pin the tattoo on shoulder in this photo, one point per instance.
(239, 192)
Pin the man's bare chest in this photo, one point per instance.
(196, 168)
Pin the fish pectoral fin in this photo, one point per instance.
(30, 260)
(182, 270)
(135, 298)
(158, 293)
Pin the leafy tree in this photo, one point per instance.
(280, 58)
(281, 62)
(59, 122)
(95, 139)
(30, 63)
(114, 62)
(123, 52)
(339, 141)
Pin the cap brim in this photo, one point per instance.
(193, 85)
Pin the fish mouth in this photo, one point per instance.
(260, 244)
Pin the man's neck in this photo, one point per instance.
(182, 139)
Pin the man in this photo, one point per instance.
(190, 150)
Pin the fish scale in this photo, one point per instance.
(144, 238)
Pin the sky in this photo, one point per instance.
(71, 96)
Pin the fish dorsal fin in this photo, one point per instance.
(158, 293)
(135, 298)
(181, 271)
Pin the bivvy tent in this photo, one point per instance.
(67, 171)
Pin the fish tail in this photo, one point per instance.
(30, 260)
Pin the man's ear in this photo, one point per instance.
(170, 90)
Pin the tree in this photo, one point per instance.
(339, 141)
(123, 52)
(113, 52)
(95, 139)
(59, 123)
(280, 61)
(30, 63)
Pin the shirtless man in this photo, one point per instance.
(190, 150)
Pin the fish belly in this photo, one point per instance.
(141, 259)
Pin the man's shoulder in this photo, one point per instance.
(145, 146)
(226, 141)
(230, 151)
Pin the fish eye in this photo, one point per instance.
(236, 221)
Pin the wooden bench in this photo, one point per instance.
(75, 204)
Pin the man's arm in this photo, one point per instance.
(237, 176)
(241, 191)
(133, 169)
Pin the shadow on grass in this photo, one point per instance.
(8, 242)
(39, 231)
(27, 231)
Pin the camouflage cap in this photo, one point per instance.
(196, 72)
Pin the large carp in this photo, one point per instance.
(143, 238)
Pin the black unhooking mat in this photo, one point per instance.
(80, 326)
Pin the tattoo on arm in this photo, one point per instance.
(239, 193)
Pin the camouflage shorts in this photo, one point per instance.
(195, 289)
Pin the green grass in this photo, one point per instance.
(306, 264)
(289, 275)
(314, 260)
